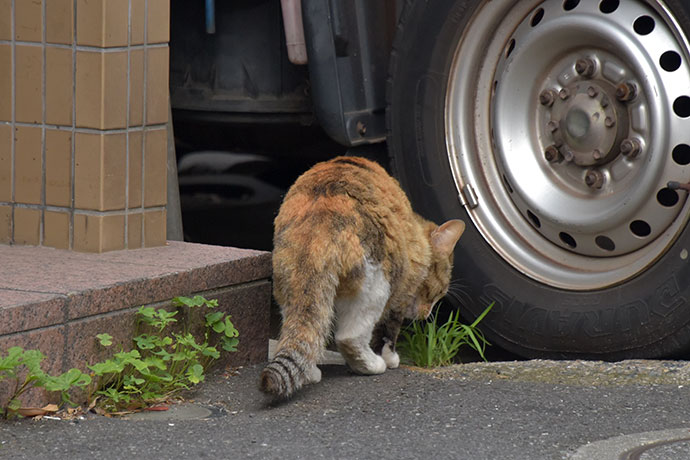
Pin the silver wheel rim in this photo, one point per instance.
(562, 153)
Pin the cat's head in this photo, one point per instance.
(435, 285)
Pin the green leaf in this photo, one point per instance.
(32, 360)
(14, 405)
(195, 373)
(155, 362)
(163, 354)
(131, 382)
(115, 395)
(229, 344)
(212, 352)
(187, 340)
(146, 342)
(191, 302)
(213, 318)
(127, 355)
(146, 314)
(107, 367)
(12, 360)
(196, 301)
(230, 330)
(105, 339)
(218, 327)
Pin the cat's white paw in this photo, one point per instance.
(390, 357)
(312, 374)
(369, 365)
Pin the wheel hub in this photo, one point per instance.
(587, 123)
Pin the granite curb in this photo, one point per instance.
(56, 301)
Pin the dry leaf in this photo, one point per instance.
(159, 407)
(36, 411)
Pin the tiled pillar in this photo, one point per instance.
(83, 112)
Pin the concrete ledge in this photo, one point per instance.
(57, 301)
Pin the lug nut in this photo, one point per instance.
(626, 92)
(552, 125)
(547, 97)
(594, 179)
(609, 122)
(585, 67)
(592, 92)
(552, 153)
(564, 93)
(631, 147)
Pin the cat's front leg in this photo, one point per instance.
(385, 336)
(390, 356)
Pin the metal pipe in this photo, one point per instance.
(210, 16)
(294, 31)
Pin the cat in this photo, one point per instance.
(350, 252)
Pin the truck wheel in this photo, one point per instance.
(554, 128)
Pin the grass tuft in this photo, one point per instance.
(426, 344)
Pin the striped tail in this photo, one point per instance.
(302, 340)
(285, 374)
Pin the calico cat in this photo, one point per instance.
(350, 252)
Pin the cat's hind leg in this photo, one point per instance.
(356, 316)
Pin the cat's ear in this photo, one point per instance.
(444, 237)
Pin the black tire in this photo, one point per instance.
(645, 316)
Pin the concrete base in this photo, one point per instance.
(57, 301)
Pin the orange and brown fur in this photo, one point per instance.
(350, 252)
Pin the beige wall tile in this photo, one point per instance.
(115, 85)
(5, 163)
(114, 171)
(59, 86)
(101, 90)
(5, 19)
(87, 233)
(29, 70)
(28, 172)
(116, 22)
(99, 162)
(90, 22)
(134, 231)
(138, 21)
(102, 22)
(93, 233)
(88, 174)
(158, 21)
(5, 83)
(157, 92)
(135, 169)
(155, 167)
(56, 229)
(5, 224)
(58, 168)
(113, 232)
(28, 20)
(89, 89)
(27, 226)
(154, 228)
(136, 87)
(59, 21)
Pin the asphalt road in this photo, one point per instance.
(521, 410)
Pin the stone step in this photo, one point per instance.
(56, 301)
